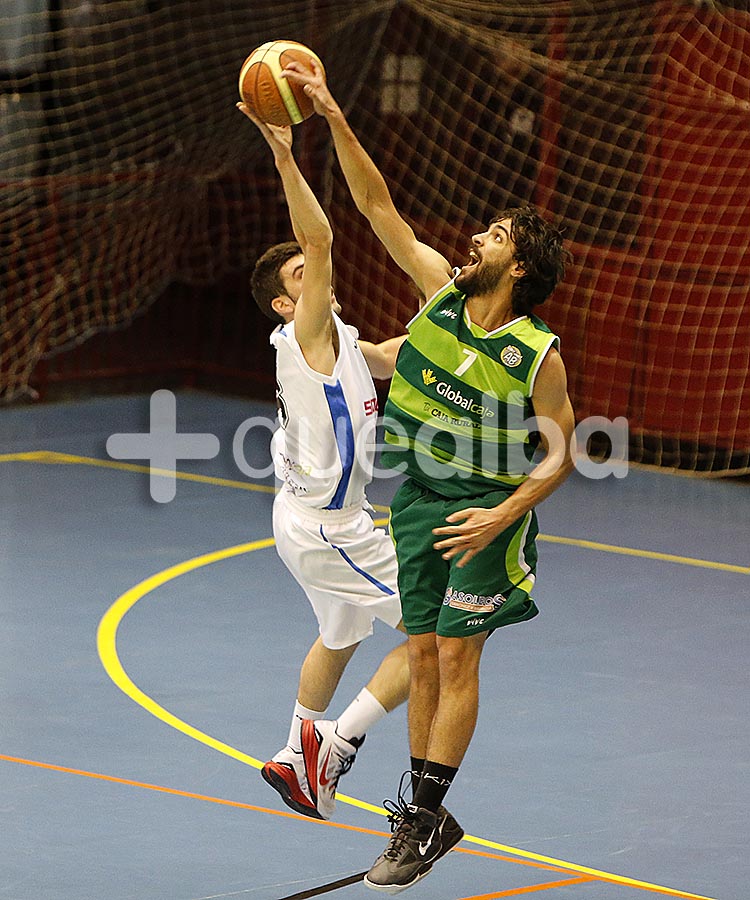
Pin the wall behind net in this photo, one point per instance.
(125, 170)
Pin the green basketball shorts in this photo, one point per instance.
(490, 591)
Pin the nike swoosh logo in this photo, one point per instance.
(425, 846)
(322, 779)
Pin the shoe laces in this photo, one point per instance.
(401, 816)
(346, 762)
(398, 810)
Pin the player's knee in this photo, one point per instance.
(459, 659)
(423, 655)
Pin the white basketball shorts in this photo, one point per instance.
(345, 565)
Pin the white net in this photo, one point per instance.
(125, 168)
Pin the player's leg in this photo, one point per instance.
(440, 721)
(390, 683)
(366, 589)
(367, 574)
(320, 675)
(308, 558)
(387, 689)
(458, 702)
(286, 772)
(405, 860)
(424, 690)
(329, 747)
(422, 576)
(389, 686)
(478, 598)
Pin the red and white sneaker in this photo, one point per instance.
(286, 774)
(327, 757)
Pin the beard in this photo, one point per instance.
(482, 278)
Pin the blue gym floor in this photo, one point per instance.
(149, 656)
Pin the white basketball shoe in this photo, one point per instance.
(286, 774)
(327, 756)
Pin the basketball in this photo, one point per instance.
(271, 98)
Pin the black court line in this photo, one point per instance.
(325, 888)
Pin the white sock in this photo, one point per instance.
(361, 714)
(295, 730)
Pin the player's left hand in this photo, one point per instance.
(477, 529)
(278, 137)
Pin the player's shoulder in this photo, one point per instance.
(282, 333)
(445, 292)
(552, 371)
(535, 333)
(539, 324)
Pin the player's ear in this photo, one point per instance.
(518, 271)
(283, 306)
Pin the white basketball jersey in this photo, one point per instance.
(324, 449)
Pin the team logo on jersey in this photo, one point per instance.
(511, 356)
(290, 466)
(455, 396)
(473, 603)
(450, 313)
(428, 377)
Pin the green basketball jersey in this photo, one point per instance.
(456, 419)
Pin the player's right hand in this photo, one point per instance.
(278, 137)
(314, 85)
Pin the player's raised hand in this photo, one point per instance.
(314, 84)
(278, 137)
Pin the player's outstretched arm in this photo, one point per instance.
(428, 268)
(381, 357)
(312, 317)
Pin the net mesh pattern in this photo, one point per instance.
(125, 168)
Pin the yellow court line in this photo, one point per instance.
(106, 640)
(107, 648)
(52, 457)
(648, 554)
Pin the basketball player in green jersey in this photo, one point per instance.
(476, 367)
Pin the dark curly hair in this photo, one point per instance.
(265, 281)
(539, 249)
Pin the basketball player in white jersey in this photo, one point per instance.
(323, 455)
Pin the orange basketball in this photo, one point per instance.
(272, 98)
